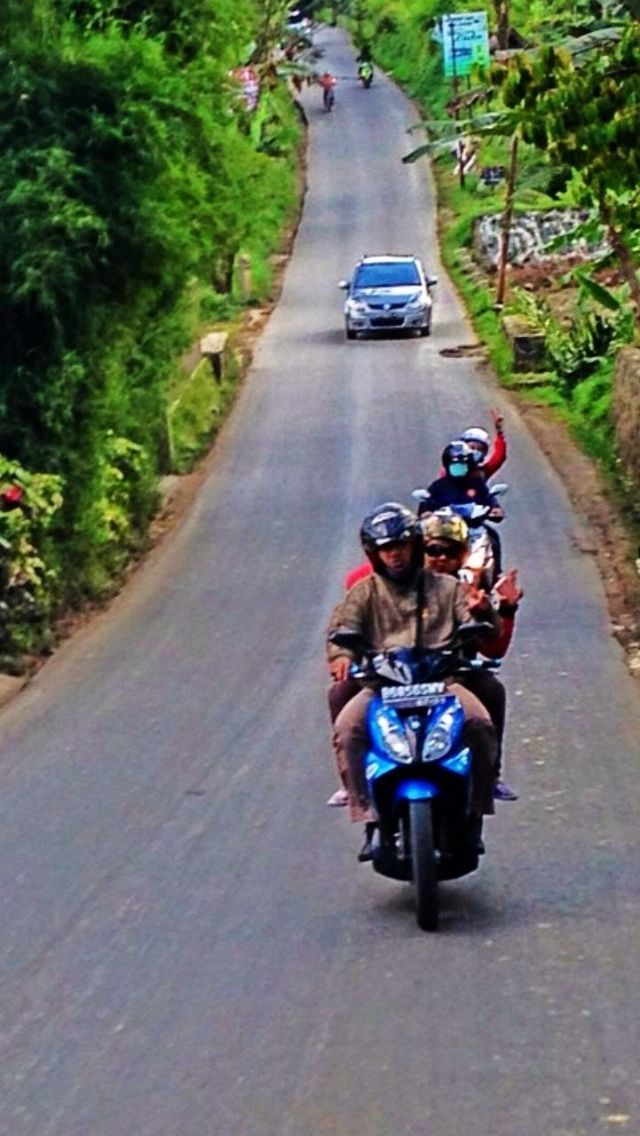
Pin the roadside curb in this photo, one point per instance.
(11, 685)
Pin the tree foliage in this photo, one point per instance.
(587, 117)
(127, 173)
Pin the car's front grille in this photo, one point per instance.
(387, 307)
(387, 321)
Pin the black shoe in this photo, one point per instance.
(475, 836)
(366, 852)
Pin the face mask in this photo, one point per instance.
(457, 469)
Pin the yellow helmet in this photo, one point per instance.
(445, 526)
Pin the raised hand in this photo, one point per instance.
(498, 420)
(507, 587)
(477, 600)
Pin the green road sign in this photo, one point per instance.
(465, 41)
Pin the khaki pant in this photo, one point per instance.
(351, 740)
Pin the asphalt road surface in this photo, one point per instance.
(187, 944)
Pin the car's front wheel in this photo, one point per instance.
(349, 332)
(425, 330)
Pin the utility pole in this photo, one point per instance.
(505, 228)
(454, 76)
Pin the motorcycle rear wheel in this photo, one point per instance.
(423, 858)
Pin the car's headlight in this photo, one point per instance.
(417, 303)
(356, 307)
(393, 735)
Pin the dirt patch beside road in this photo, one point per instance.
(605, 535)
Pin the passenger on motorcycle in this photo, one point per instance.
(403, 603)
(446, 544)
(491, 456)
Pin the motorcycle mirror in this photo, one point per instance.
(420, 494)
(499, 490)
(474, 515)
(473, 630)
(351, 640)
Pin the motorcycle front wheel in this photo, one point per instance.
(423, 859)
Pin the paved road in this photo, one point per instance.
(187, 945)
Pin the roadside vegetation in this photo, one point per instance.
(138, 165)
(559, 106)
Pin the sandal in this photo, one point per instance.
(338, 799)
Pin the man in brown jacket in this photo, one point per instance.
(400, 605)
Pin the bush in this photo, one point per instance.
(29, 504)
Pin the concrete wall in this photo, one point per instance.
(626, 410)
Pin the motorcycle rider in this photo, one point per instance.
(446, 538)
(460, 484)
(400, 604)
(446, 542)
(328, 83)
(464, 483)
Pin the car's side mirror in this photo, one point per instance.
(432, 281)
(344, 284)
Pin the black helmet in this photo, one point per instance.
(461, 455)
(390, 523)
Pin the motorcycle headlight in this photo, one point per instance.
(442, 735)
(393, 735)
(437, 743)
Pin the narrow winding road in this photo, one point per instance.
(187, 944)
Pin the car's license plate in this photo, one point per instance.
(415, 695)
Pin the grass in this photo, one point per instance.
(197, 406)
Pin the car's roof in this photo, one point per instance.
(387, 259)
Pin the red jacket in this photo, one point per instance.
(496, 457)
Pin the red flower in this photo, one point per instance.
(11, 495)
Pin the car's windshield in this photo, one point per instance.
(386, 275)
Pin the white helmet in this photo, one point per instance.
(475, 434)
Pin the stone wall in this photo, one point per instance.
(529, 237)
(626, 410)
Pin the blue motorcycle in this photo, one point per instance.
(418, 767)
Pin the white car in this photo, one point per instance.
(388, 293)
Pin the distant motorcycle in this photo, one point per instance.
(328, 98)
(365, 73)
(483, 563)
(417, 767)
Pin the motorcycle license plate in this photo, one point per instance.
(417, 694)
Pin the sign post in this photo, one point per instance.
(465, 42)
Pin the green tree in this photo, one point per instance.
(587, 117)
